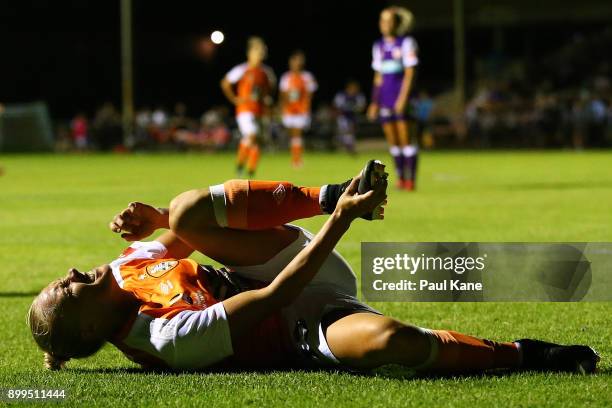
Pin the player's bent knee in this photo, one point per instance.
(388, 337)
(191, 211)
(370, 341)
(383, 335)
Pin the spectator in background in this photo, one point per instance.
(179, 119)
(596, 114)
(609, 121)
(107, 128)
(423, 107)
(323, 126)
(159, 129)
(349, 103)
(143, 123)
(214, 127)
(579, 118)
(213, 133)
(79, 128)
(63, 138)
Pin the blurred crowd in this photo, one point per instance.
(563, 99)
(500, 115)
(333, 124)
(153, 129)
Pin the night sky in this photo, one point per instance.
(68, 52)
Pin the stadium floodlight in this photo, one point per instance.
(217, 37)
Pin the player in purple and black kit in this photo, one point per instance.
(349, 103)
(393, 60)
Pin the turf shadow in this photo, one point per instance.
(18, 294)
(389, 373)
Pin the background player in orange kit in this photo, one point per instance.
(296, 89)
(254, 83)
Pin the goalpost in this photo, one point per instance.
(25, 128)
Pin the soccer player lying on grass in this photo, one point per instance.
(286, 298)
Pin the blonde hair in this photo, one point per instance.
(256, 41)
(53, 333)
(404, 19)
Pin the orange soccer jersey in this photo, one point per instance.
(253, 84)
(298, 86)
(181, 322)
(166, 286)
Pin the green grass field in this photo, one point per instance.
(54, 212)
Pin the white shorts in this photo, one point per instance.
(296, 121)
(333, 288)
(248, 124)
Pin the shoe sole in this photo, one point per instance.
(373, 171)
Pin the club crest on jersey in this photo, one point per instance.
(279, 193)
(160, 269)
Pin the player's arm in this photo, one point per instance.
(283, 96)
(402, 98)
(373, 108)
(138, 221)
(248, 308)
(228, 91)
(311, 87)
(410, 61)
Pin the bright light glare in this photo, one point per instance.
(217, 37)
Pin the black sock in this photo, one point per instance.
(331, 195)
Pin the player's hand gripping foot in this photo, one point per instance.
(372, 174)
(544, 356)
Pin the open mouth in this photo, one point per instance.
(93, 275)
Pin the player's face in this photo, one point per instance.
(296, 62)
(85, 291)
(256, 54)
(352, 88)
(386, 23)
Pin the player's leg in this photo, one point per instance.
(209, 219)
(255, 205)
(367, 340)
(248, 148)
(390, 131)
(242, 155)
(244, 147)
(254, 155)
(297, 146)
(409, 153)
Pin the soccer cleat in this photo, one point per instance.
(372, 172)
(408, 185)
(543, 356)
